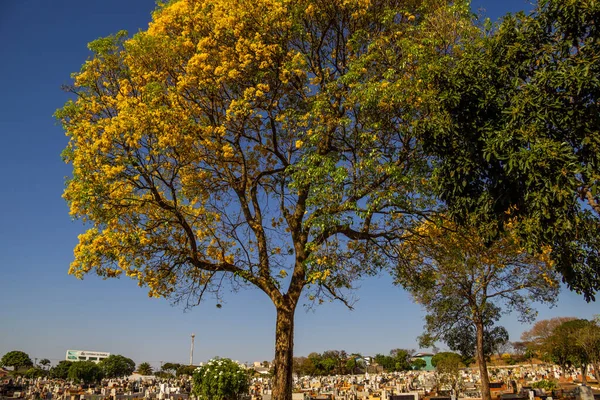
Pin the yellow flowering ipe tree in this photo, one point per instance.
(262, 143)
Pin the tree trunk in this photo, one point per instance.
(583, 374)
(485, 379)
(284, 352)
(597, 370)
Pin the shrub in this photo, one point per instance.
(220, 379)
(544, 384)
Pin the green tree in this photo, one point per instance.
(303, 366)
(448, 365)
(220, 379)
(16, 359)
(145, 369)
(61, 370)
(227, 146)
(45, 362)
(117, 366)
(588, 338)
(397, 360)
(538, 335)
(336, 361)
(85, 372)
(564, 348)
(185, 370)
(35, 372)
(463, 337)
(464, 284)
(418, 364)
(355, 364)
(170, 368)
(516, 134)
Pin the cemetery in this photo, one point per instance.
(508, 383)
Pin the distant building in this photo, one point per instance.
(86, 355)
(427, 358)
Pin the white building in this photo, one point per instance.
(86, 355)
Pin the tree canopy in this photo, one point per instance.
(117, 366)
(537, 337)
(61, 370)
(85, 372)
(514, 127)
(465, 284)
(247, 143)
(145, 369)
(575, 344)
(16, 359)
(448, 366)
(397, 360)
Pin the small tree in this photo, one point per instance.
(16, 359)
(418, 364)
(170, 368)
(463, 337)
(44, 362)
(355, 363)
(397, 360)
(462, 281)
(588, 338)
(566, 347)
(145, 369)
(116, 366)
(61, 370)
(447, 365)
(85, 372)
(35, 372)
(540, 332)
(220, 379)
(186, 370)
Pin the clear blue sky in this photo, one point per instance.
(44, 311)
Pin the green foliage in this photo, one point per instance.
(186, 370)
(463, 338)
(516, 134)
(163, 375)
(547, 385)
(35, 373)
(85, 372)
(397, 360)
(446, 358)
(117, 366)
(355, 364)
(448, 365)
(16, 359)
(170, 367)
(220, 379)
(61, 370)
(565, 348)
(418, 364)
(145, 369)
(45, 362)
(330, 362)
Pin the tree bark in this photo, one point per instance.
(596, 370)
(284, 352)
(485, 379)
